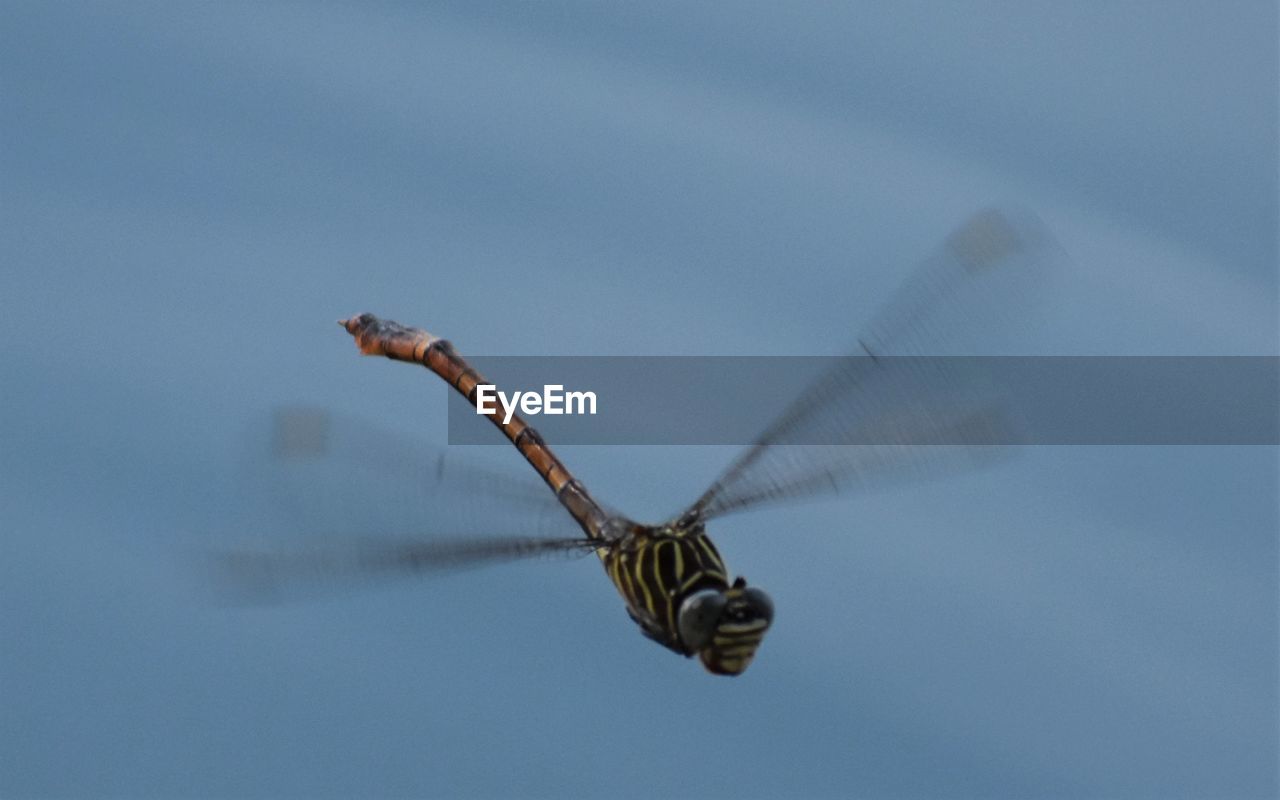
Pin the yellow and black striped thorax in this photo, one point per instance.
(656, 568)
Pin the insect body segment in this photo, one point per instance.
(656, 569)
(379, 337)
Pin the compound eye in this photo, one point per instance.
(760, 604)
(698, 616)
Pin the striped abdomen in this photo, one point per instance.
(385, 338)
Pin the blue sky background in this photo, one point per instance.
(191, 194)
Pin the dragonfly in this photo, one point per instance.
(672, 580)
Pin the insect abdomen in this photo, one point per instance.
(400, 342)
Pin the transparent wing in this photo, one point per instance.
(343, 502)
(337, 448)
(260, 575)
(897, 408)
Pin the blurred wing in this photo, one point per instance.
(890, 411)
(323, 472)
(345, 445)
(339, 495)
(261, 575)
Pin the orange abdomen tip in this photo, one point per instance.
(367, 340)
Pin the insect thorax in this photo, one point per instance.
(655, 568)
